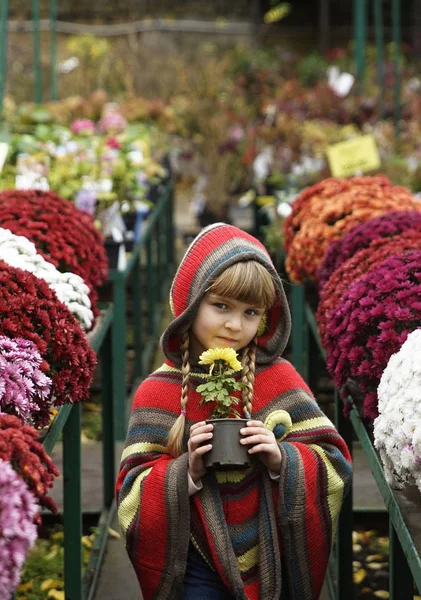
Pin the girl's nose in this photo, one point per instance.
(233, 323)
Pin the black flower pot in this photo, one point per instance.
(112, 249)
(227, 452)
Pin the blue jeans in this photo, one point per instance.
(202, 582)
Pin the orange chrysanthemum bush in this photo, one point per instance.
(355, 267)
(328, 210)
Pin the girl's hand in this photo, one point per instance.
(199, 433)
(264, 443)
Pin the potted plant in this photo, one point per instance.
(227, 452)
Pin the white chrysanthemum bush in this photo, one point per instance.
(19, 252)
(397, 429)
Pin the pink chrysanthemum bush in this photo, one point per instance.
(397, 429)
(24, 388)
(373, 320)
(18, 531)
(388, 225)
(325, 219)
(355, 267)
(30, 309)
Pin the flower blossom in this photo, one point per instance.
(18, 531)
(368, 325)
(397, 429)
(325, 218)
(24, 388)
(388, 225)
(17, 251)
(31, 310)
(227, 355)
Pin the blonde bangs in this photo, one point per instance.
(248, 282)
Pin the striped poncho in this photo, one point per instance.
(242, 522)
(248, 527)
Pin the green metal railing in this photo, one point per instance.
(148, 272)
(403, 515)
(81, 583)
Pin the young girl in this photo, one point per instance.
(259, 533)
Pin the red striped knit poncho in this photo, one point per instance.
(245, 524)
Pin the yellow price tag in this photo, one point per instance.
(265, 200)
(354, 156)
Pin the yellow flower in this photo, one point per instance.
(228, 355)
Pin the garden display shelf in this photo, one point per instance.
(78, 583)
(402, 506)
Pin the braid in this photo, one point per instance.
(249, 368)
(175, 436)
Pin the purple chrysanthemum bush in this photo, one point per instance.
(372, 321)
(388, 225)
(24, 388)
(18, 532)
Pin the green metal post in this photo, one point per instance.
(396, 29)
(170, 232)
(119, 355)
(400, 577)
(360, 38)
(379, 34)
(159, 256)
(345, 524)
(3, 50)
(37, 52)
(53, 58)
(137, 320)
(299, 332)
(108, 461)
(150, 286)
(72, 498)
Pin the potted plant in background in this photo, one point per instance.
(227, 452)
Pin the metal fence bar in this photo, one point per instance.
(379, 35)
(397, 41)
(360, 37)
(53, 46)
(3, 49)
(37, 52)
(72, 504)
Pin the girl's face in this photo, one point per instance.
(222, 322)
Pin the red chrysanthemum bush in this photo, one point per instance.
(352, 269)
(62, 234)
(327, 218)
(386, 226)
(373, 320)
(19, 446)
(31, 310)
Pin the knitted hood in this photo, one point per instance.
(212, 251)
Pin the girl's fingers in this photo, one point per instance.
(265, 448)
(258, 438)
(203, 449)
(196, 440)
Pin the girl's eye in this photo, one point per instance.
(220, 305)
(252, 312)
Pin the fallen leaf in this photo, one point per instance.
(56, 595)
(359, 576)
(113, 533)
(49, 584)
